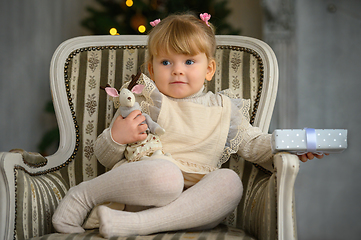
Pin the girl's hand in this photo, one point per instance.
(310, 156)
(130, 129)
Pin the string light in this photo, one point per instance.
(113, 31)
(141, 28)
(129, 3)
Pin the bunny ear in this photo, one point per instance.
(112, 91)
(138, 88)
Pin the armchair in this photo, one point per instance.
(32, 186)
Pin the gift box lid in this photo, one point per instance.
(317, 141)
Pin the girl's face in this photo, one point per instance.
(179, 75)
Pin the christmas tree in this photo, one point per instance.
(133, 16)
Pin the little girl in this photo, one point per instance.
(186, 189)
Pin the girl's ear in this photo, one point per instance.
(211, 69)
(150, 70)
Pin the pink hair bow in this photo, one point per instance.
(155, 22)
(205, 17)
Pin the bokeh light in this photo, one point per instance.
(113, 31)
(129, 3)
(141, 28)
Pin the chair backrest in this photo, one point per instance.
(81, 65)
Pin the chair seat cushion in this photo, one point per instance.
(220, 232)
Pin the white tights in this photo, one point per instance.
(153, 182)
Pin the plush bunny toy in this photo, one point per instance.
(127, 104)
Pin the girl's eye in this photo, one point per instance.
(165, 62)
(189, 62)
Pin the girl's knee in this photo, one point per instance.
(167, 171)
(169, 181)
(231, 184)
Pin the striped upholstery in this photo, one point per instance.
(85, 70)
(219, 233)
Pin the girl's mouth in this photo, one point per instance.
(177, 82)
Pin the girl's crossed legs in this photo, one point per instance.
(157, 183)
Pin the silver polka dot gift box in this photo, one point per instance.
(318, 141)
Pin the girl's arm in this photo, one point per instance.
(107, 151)
(111, 143)
(255, 145)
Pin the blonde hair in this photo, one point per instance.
(183, 34)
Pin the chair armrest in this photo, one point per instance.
(286, 169)
(7, 196)
(29, 195)
(31, 159)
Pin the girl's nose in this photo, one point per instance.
(178, 70)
